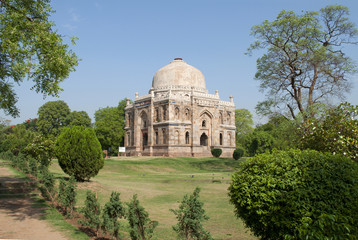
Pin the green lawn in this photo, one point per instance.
(161, 184)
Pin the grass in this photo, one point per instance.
(161, 184)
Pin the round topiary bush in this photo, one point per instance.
(216, 152)
(238, 153)
(297, 195)
(79, 152)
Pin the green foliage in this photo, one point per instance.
(190, 216)
(283, 131)
(79, 118)
(258, 142)
(52, 118)
(8, 155)
(238, 153)
(243, 123)
(32, 48)
(304, 63)
(41, 148)
(112, 212)
(297, 195)
(141, 227)
(79, 152)
(61, 192)
(335, 132)
(31, 124)
(216, 152)
(17, 138)
(33, 166)
(47, 186)
(67, 195)
(91, 212)
(22, 163)
(109, 126)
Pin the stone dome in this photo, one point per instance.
(178, 73)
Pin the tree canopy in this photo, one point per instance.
(30, 47)
(304, 63)
(52, 118)
(243, 123)
(79, 118)
(109, 125)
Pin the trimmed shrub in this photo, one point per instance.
(216, 152)
(238, 153)
(79, 152)
(297, 195)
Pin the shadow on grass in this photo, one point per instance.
(218, 165)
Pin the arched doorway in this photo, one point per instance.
(144, 140)
(203, 140)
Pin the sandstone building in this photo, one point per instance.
(179, 117)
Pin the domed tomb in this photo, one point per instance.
(179, 117)
(179, 74)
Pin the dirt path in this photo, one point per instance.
(18, 218)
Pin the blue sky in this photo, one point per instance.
(123, 43)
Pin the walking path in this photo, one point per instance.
(19, 219)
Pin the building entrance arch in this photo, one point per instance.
(203, 140)
(144, 140)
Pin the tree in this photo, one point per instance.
(31, 47)
(91, 212)
(335, 132)
(109, 126)
(304, 64)
(258, 142)
(79, 118)
(243, 123)
(112, 212)
(41, 148)
(141, 227)
(297, 195)
(52, 118)
(190, 216)
(17, 138)
(283, 130)
(67, 195)
(79, 152)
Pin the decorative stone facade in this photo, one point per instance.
(179, 117)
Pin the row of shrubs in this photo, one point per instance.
(107, 220)
(237, 154)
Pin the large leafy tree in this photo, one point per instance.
(243, 123)
(109, 126)
(52, 118)
(304, 63)
(79, 118)
(16, 139)
(30, 47)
